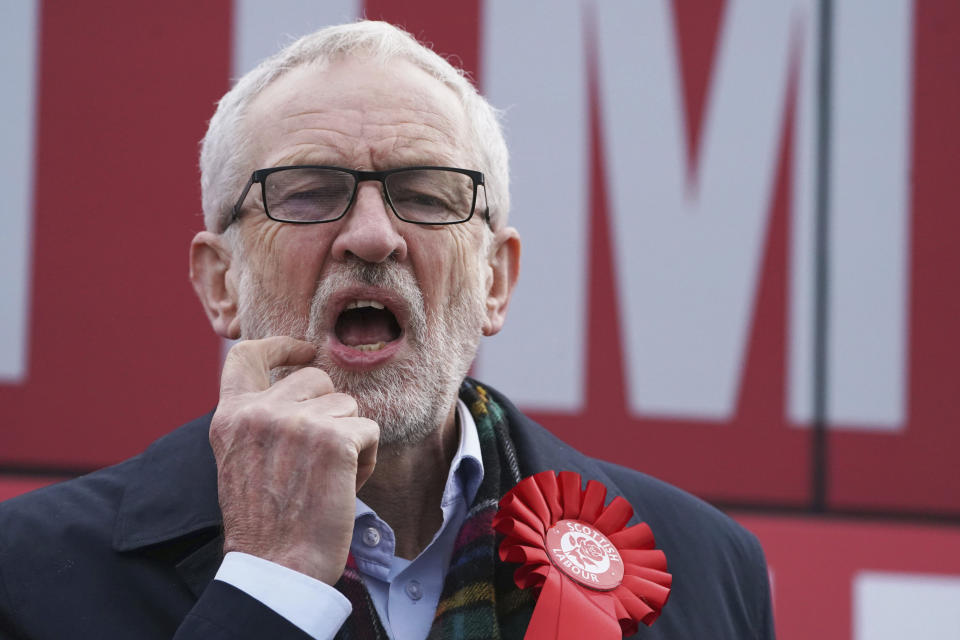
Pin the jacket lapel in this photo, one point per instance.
(171, 500)
(539, 450)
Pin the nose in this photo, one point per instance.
(370, 230)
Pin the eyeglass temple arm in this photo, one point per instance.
(243, 196)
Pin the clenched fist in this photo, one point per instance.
(290, 458)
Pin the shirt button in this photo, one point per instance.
(414, 590)
(371, 536)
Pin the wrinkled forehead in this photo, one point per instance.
(361, 113)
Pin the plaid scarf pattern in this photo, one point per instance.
(480, 600)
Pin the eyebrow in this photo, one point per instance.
(309, 156)
(401, 158)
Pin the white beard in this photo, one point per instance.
(411, 398)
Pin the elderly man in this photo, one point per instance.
(355, 199)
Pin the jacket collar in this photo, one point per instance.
(173, 491)
(172, 496)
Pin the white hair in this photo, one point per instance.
(224, 165)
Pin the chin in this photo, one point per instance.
(410, 400)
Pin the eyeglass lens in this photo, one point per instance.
(431, 196)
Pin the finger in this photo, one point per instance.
(334, 405)
(248, 364)
(366, 434)
(303, 384)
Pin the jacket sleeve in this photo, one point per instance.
(224, 612)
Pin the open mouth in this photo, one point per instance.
(367, 325)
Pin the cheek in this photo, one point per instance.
(288, 260)
(453, 266)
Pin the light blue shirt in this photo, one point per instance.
(405, 593)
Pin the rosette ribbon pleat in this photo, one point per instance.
(596, 579)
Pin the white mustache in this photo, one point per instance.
(389, 276)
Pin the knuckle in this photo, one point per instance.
(319, 375)
(253, 415)
(372, 425)
(333, 446)
(343, 403)
(346, 451)
(303, 426)
(315, 377)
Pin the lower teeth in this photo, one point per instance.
(371, 347)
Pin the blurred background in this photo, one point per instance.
(740, 270)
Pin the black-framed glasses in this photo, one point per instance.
(310, 194)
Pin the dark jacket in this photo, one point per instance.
(130, 551)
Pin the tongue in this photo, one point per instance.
(366, 326)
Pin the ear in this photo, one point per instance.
(214, 281)
(504, 264)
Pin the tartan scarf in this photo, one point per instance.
(479, 600)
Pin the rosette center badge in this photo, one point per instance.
(585, 555)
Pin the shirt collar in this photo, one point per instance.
(467, 466)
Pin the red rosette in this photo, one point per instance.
(596, 578)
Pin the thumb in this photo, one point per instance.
(249, 362)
